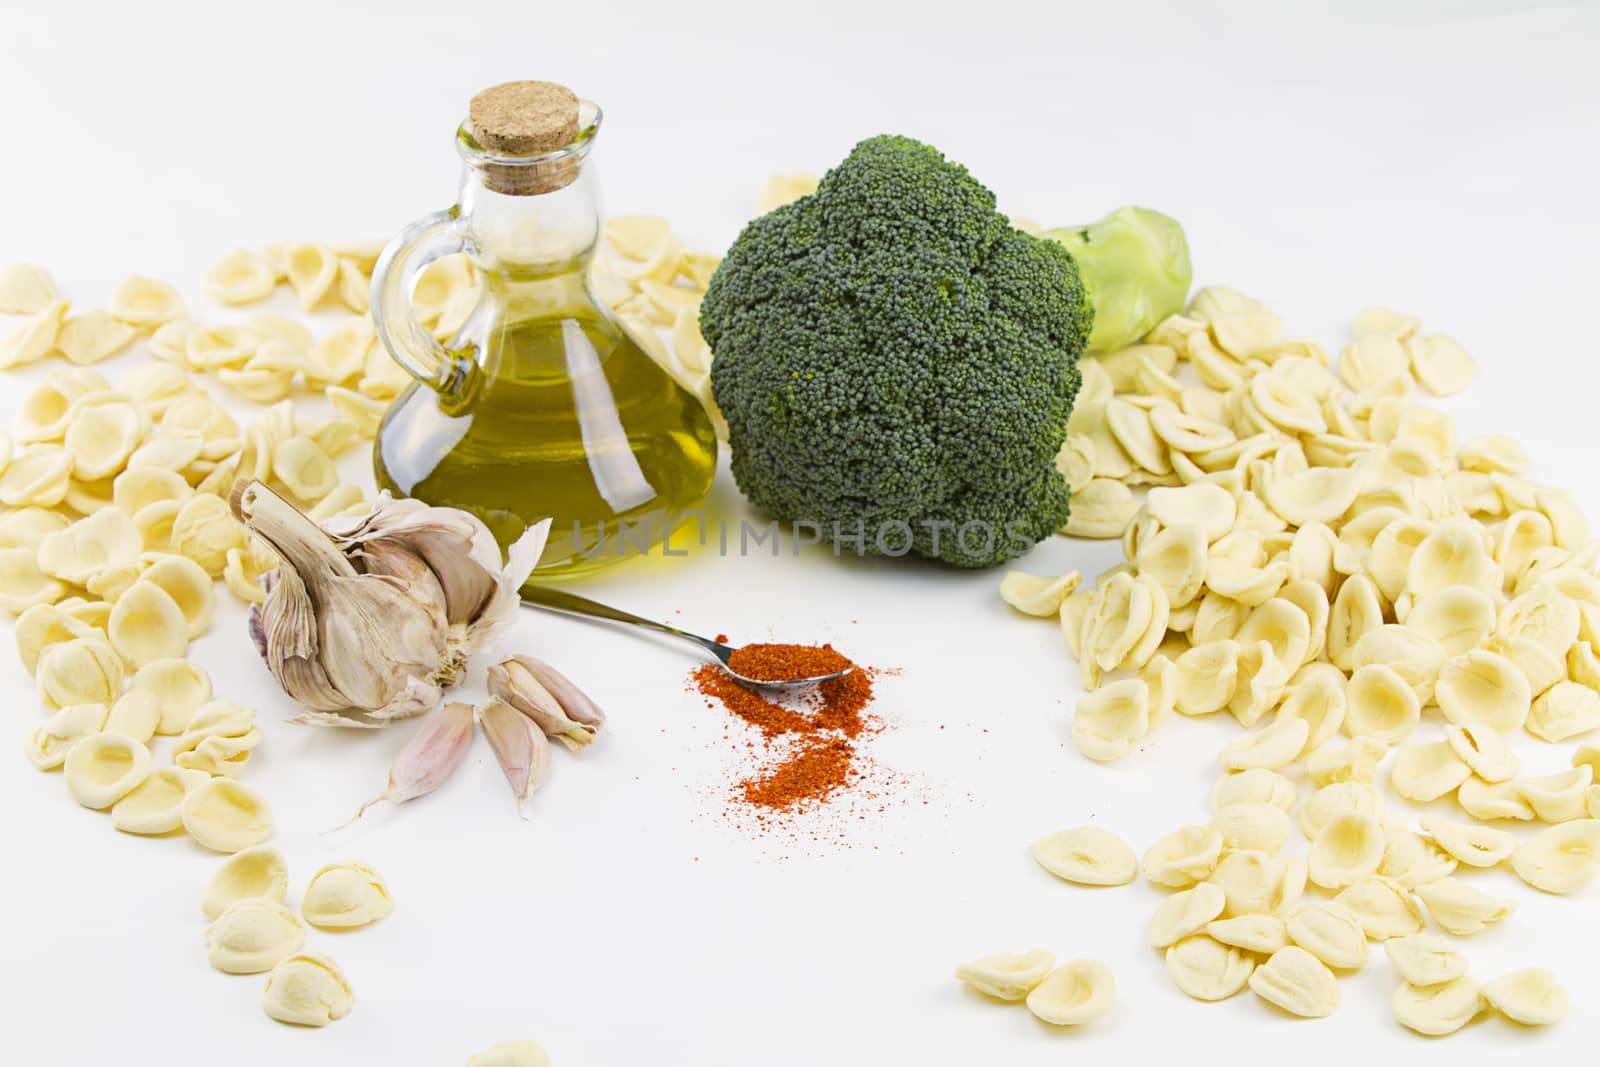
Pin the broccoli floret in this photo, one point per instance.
(894, 358)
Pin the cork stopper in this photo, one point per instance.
(525, 118)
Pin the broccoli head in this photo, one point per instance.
(897, 363)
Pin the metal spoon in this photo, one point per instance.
(570, 604)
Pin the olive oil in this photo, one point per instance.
(563, 418)
(541, 406)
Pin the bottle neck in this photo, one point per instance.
(530, 236)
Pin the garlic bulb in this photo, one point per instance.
(370, 625)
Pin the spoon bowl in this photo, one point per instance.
(572, 604)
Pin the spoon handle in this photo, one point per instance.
(572, 604)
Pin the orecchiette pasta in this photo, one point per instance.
(54, 738)
(1185, 913)
(1183, 857)
(1437, 1010)
(1007, 976)
(1426, 771)
(1560, 859)
(1460, 909)
(253, 872)
(155, 805)
(1299, 983)
(224, 816)
(1075, 993)
(1206, 969)
(307, 990)
(1087, 855)
(103, 768)
(253, 935)
(1531, 996)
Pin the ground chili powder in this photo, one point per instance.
(813, 737)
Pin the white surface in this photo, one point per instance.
(1435, 156)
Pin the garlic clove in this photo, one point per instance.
(520, 746)
(430, 757)
(548, 697)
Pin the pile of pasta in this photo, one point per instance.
(1380, 605)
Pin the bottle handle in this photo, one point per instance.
(411, 344)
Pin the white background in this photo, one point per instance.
(1435, 156)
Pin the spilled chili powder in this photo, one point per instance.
(812, 737)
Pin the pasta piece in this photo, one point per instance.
(1087, 855)
(1384, 907)
(1262, 934)
(1373, 360)
(307, 990)
(1437, 1010)
(1356, 610)
(92, 337)
(1377, 321)
(1483, 750)
(103, 768)
(344, 896)
(1207, 676)
(1560, 859)
(1558, 797)
(84, 670)
(1331, 932)
(1531, 996)
(147, 625)
(1381, 705)
(1348, 847)
(1563, 711)
(1007, 976)
(1317, 695)
(253, 935)
(1183, 857)
(224, 816)
(1074, 994)
(180, 687)
(1319, 494)
(312, 270)
(1257, 827)
(34, 339)
(1484, 688)
(1285, 628)
(27, 527)
(215, 348)
(104, 540)
(1108, 720)
(510, 1054)
(1460, 909)
(1299, 983)
(1208, 970)
(1185, 913)
(155, 805)
(1101, 510)
(22, 585)
(1175, 560)
(1454, 554)
(1487, 801)
(36, 479)
(1274, 746)
(254, 872)
(189, 586)
(204, 530)
(1037, 595)
(1425, 960)
(25, 289)
(54, 738)
(1476, 846)
(42, 626)
(1256, 786)
(241, 277)
(1255, 883)
(1427, 771)
(146, 303)
(218, 739)
(1442, 366)
(136, 714)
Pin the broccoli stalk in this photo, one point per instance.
(1135, 263)
(897, 364)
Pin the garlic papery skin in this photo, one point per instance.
(335, 639)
